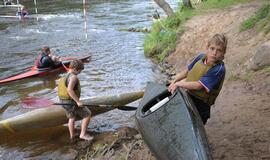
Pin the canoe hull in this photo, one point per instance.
(174, 130)
(54, 115)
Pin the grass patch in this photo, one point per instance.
(162, 37)
(219, 4)
(248, 76)
(260, 15)
(266, 69)
(232, 77)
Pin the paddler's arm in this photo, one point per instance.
(55, 58)
(87, 60)
(71, 92)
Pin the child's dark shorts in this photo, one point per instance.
(203, 108)
(73, 111)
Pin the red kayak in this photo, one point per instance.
(35, 72)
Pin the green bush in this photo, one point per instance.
(162, 37)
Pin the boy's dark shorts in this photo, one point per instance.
(203, 108)
(73, 111)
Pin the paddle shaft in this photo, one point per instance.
(64, 66)
(126, 108)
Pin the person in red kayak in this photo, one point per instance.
(69, 91)
(47, 60)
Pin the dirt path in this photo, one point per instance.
(239, 128)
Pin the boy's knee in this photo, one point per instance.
(88, 117)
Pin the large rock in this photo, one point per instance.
(261, 57)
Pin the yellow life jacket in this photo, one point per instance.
(199, 69)
(62, 88)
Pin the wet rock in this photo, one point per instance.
(250, 88)
(144, 29)
(126, 132)
(83, 144)
(138, 136)
(70, 154)
(63, 153)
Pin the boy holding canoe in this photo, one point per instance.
(69, 91)
(204, 76)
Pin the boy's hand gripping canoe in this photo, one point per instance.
(34, 102)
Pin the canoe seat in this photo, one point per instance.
(156, 102)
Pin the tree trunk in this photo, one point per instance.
(165, 6)
(187, 3)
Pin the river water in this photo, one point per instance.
(118, 63)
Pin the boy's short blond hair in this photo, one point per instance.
(76, 64)
(220, 40)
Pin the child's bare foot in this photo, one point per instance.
(72, 137)
(86, 137)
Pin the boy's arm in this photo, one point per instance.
(70, 89)
(195, 85)
(180, 76)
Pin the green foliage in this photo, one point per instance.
(173, 21)
(162, 38)
(266, 69)
(232, 77)
(210, 4)
(261, 14)
(248, 76)
(186, 13)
